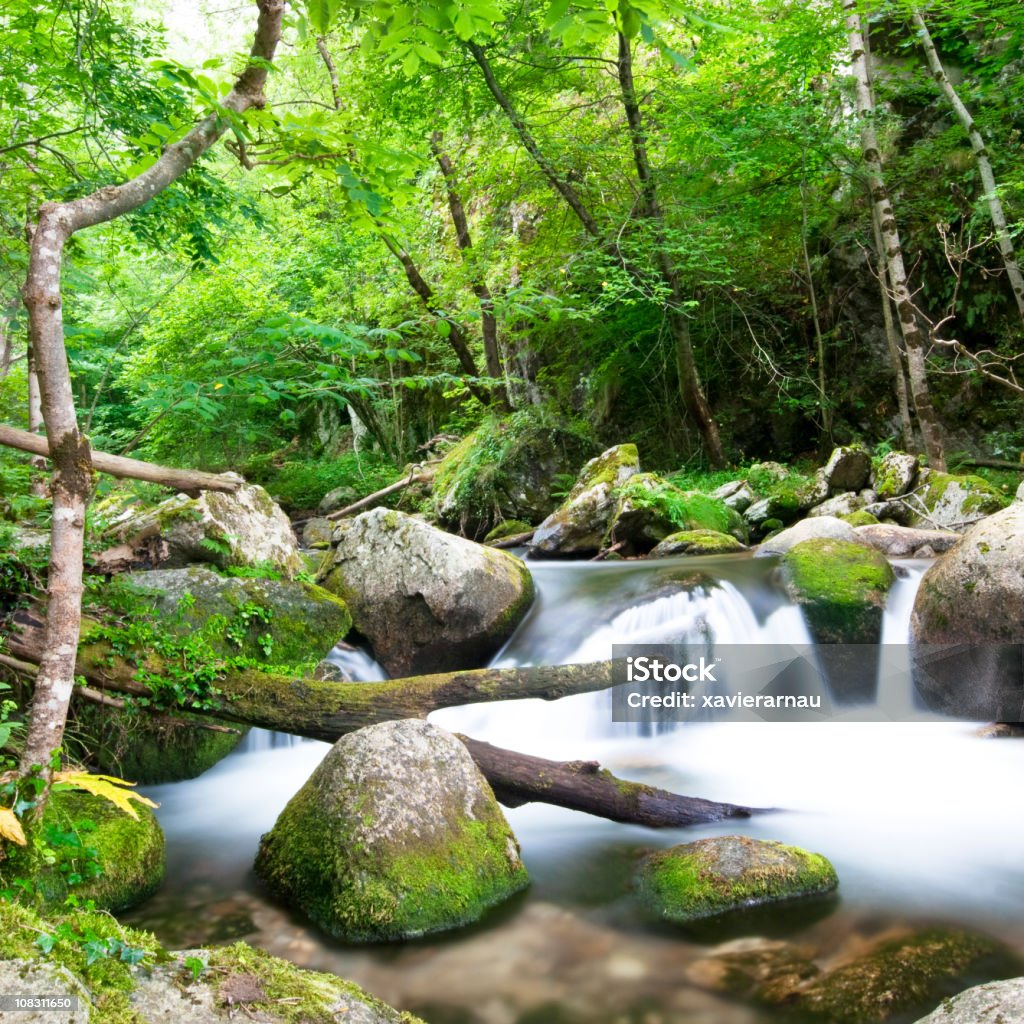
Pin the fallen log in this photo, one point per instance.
(324, 710)
(189, 480)
(422, 477)
(514, 541)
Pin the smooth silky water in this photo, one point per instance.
(920, 818)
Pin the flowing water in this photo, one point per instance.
(920, 818)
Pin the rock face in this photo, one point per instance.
(425, 600)
(998, 1002)
(579, 525)
(505, 470)
(23, 977)
(819, 527)
(697, 542)
(903, 541)
(896, 475)
(841, 588)
(396, 834)
(848, 468)
(714, 876)
(280, 621)
(952, 502)
(317, 533)
(246, 528)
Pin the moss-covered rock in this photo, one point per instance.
(509, 528)
(507, 469)
(697, 542)
(859, 518)
(396, 834)
(317, 533)
(278, 621)
(847, 468)
(952, 502)
(817, 528)
(841, 587)
(895, 475)
(580, 524)
(728, 873)
(425, 600)
(105, 855)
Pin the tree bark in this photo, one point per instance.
(36, 428)
(189, 480)
(910, 328)
(69, 449)
(326, 711)
(988, 178)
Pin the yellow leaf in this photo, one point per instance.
(108, 787)
(10, 827)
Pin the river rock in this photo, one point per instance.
(338, 498)
(816, 528)
(895, 475)
(714, 876)
(998, 1002)
(506, 469)
(903, 541)
(841, 587)
(396, 834)
(735, 495)
(697, 542)
(579, 525)
(848, 468)
(425, 600)
(245, 528)
(942, 501)
(317, 533)
(840, 505)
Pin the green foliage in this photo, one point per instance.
(301, 484)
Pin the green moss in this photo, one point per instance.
(859, 518)
(978, 498)
(841, 587)
(686, 883)
(509, 528)
(678, 510)
(698, 542)
(606, 467)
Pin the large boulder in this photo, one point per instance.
(998, 1002)
(278, 621)
(904, 541)
(244, 528)
(820, 527)
(715, 876)
(895, 475)
(506, 469)
(396, 834)
(841, 587)
(580, 524)
(425, 600)
(942, 501)
(848, 468)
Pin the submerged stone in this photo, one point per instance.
(396, 834)
(714, 876)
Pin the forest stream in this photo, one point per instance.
(913, 815)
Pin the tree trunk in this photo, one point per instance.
(910, 328)
(192, 481)
(69, 449)
(988, 179)
(36, 428)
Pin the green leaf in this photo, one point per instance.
(321, 14)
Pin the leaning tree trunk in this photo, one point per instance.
(910, 328)
(69, 449)
(988, 179)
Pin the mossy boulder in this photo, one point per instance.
(998, 1002)
(507, 469)
(244, 528)
(895, 475)
(509, 528)
(818, 528)
(728, 873)
(942, 501)
(847, 468)
(782, 495)
(859, 518)
(697, 542)
(279, 621)
(649, 509)
(425, 600)
(396, 834)
(119, 860)
(841, 587)
(317, 533)
(841, 505)
(580, 524)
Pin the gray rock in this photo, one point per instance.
(736, 495)
(848, 468)
(926, 551)
(425, 600)
(246, 528)
(340, 497)
(840, 505)
(902, 541)
(317, 533)
(579, 525)
(896, 475)
(998, 1002)
(942, 501)
(1020, 492)
(28, 978)
(396, 834)
(806, 529)
(815, 494)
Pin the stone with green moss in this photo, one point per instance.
(282, 622)
(848, 468)
(697, 542)
(508, 468)
(859, 518)
(895, 475)
(942, 501)
(841, 588)
(509, 528)
(396, 834)
(579, 526)
(782, 494)
(317, 532)
(425, 600)
(102, 853)
(729, 873)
